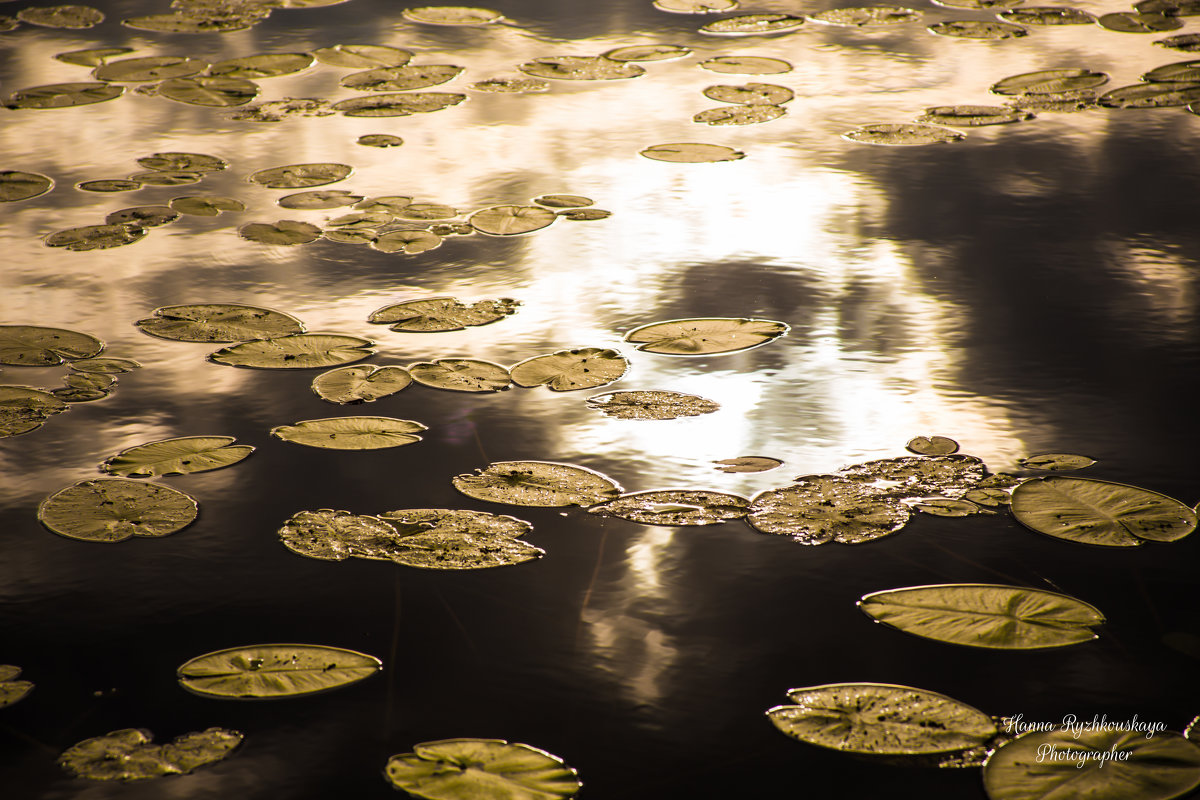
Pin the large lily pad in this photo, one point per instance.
(351, 433)
(568, 370)
(400, 104)
(1152, 95)
(748, 464)
(437, 314)
(1186, 42)
(563, 200)
(457, 521)
(705, 336)
(752, 24)
(1134, 22)
(912, 477)
(746, 65)
(379, 140)
(69, 16)
(452, 15)
(651, 404)
(1098, 765)
(297, 351)
(675, 507)
(1100, 512)
(360, 384)
(461, 375)
(149, 68)
(537, 483)
(156, 177)
(319, 199)
(692, 153)
(36, 346)
(197, 22)
(16, 185)
(511, 85)
(275, 670)
(881, 719)
(215, 92)
(827, 508)
(218, 322)
(206, 205)
(11, 689)
(183, 162)
(1179, 71)
(481, 769)
(580, 68)
(108, 185)
(510, 220)
(861, 16)
(262, 65)
(95, 237)
(1050, 81)
(282, 233)
(131, 755)
(301, 176)
(363, 56)
(903, 134)
(398, 79)
(64, 95)
(24, 409)
(115, 509)
(331, 535)
(179, 456)
(985, 615)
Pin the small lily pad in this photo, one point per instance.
(218, 322)
(206, 205)
(92, 56)
(903, 134)
(695, 6)
(11, 689)
(510, 220)
(746, 65)
(180, 456)
(1056, 461)
(985, 615)
(399, 79)
(1100, 512)
(739, 115)
(360, 384)
(215, 92)
(580, 68)
(1050, 81)
(16, 185)
(399, 104)
(563, 201)
(692, 153)
(862, 16)
(568, 370)
(932, 445)
(319, 199)
(69, 16)
(1180, 71)
(452, 15)
(409, 242)
(748, 464)
(750, 94)
(64, 95)
(300, 176)
(331, 535)
(651, 404)
(1134, 22)
(947, 507)
(977, 29)
(296, 351)
(262, 65)
(511, 85)
(481, 769)
(537, 483)
(426, 211)
(142, 216)
(95, 237)
(24, 409)
(1152, 95)
(183, 162)
(130, 755)
(351, 433)
(115, 509)
(825, 508)
(752, 24)
(1048, 15)
(648, 52)
(109, 185)
(159, 177)
(437, 314)
(461, 375)
(261, 671)
(973, 116)
(363, 56)
(584, 214)
(379, 140)
(37, 346)
(144, 69)
(705, 336)
(284, 232)
(675, 507)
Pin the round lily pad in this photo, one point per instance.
(1050, 81)
(746, 65)
(1180, 71)
(537, 483)
(748, 464)
(24, 409)
(438, 314)
(95, 237)
(300, 176)
(568, 370)
(444, 550)
(206, 205)
(37, 346)
(750, 94)
(452, 15)
(261, 671)
(702, 336)
(563, 201)
(1100, 512)
(64, 95)
(752, 24)
(481, 769)
(180, 456)
(932, 445)
(458, 521)
(91, 56)
(319, 199)
(295, 351)
(861, 16)
(739, 115)
(16, 185)
(399, 79)
(977, 29)
(978, 5)
(910, 477)
(162, 177)
(216, 92)
(580, 68)
(218, 322)
(692, 153)
(149, 68)
(131, 755)
(651, 404)
(461, 375)
(1056, 461)
(675, 507)
(69, 16)
(363, 56)
(1047, 15)
(648, 52)
(511, 220)
(351, 433)
(142, 216)
(1134, 22)
(379, 140)
(826, 508)
(194, 23)
(115, 509)
(284, 232)
(262, 65)
(903, 134)
(331, 535)
(973, 116)
(109, 185)
(1187, 42)
(584, 214)
(183, 162)
(1152, 95)
(695, 6)
(360, 384)
(399, 104)
(12, 690)
(409, 242)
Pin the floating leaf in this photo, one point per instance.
(461, 375)
(751, 24)
(651, 404)
(363, 56)
(897, 134)
(563, 200)
(511, 85)
(191, 23)
(142, 216)
(262, 65)
(64, 95)
(648, 52)
(580, 68)
(1133, 22)
(319, 199)
(130, 755)
(149, 68)
(1096, 764)
(111, 185)
(1056, 461)
(92, 56)
(739, 115)
(1048, 15)
(695, 6)
(218, 322)
(276, 110)
(481, 769)
(977, 29)
(988, 496)
(452, 15)
(24, 409)
(95, 237)
(456, 521)
(1050, 81)
(932, 445)
(206, 205)
(106, 366)
(748, 464)
(692, 153)
(675, 507)
(1152, 95)
(585, 214)
(438, 550)
(361, 220)
(12, 690)
(881, 719)
(180, 456)
(827, 508)
(275, 670)
(705, 336)
(342, 236)
(1100, 512)
(567, 370)
(947, 507)
(36, 346)
(866, 15)
(1187, 42)
(985, 615)
(398, 79)
(973, 116)
(750, 94)
(16, 185)
(300, 176)
(360, 384)
(398, 105)
(337, 535)
(1180, 71)
(511, 220)
(284, 232)
(979, 5)
(379, 140)
(183, 162)
(746, 65)
(410, 242)
(537, 483)
(912, 477)
(216, 92)
(436, 314)
(351, 433)
(426, 211)
(62, 16)
(115, 509)
(1176, 8)
(297, 351)
(166, 178)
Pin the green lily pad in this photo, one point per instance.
(192, 23)
(206, 205)
(408, 242)
(1152, 95)
(985, 615)
(159, 177)
(977, 29)
(1056, 461)
(105, 366)
(827, 508)
(149, 68)
(331, 535)
(399, 104)
(692, 153)
(746, 65)
(115, 509)
(651, 404)
(218, 322)
(563, 200)
(351, 433)
(510, 220)
(439, 550)
(37, 346)
(748, 464)
(456, 521)
(695, 6)
(24, 409)
(262, 65)
(11, 689)
(399, 79)
(452, 15)
(16, 185)
(341, 236)
(752, 24)
(912, 477)
(750, 94)
(359, 221)
(973, 116)
(1187, 42)
(461, 375)
(1133, 22)
(1048, 15)
(360, 384)
(947, 507)
(675, 507)
(64, 95)
(739, 115)
(379, 140)
(881, 719)
(95, 237)
(62, 16)
(481, 769)
(568, 370)
(902, 134)
(580, 68)
(511, 85)
(702, 336)
(1098, 765)
(295, 351)
(861, 16)
(183, 162)
(109, 185)
(261, 671)
(437, 314)
(363, 56)
(537, 483)
(180, 456)
(319, 199)
(932, 445)
(130, 755)
(301, 176)
(284, 232)
(215, 92)
(584, 214)
(1180, 71)
(445, 229)
(1100, 512)
(1050, 81)
(142, 216)
(276, 110)
(92, 56)
(648, 52)
(988, 496)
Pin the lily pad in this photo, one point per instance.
(16, 185)
(511, 85)
(142, 216)
(902, 134)
(580, 68)
(648, 52)
(1180, 71)
(109, 185)
(179, 456)
(826, 508)
(537, 483)
(156, 177)
(64, 95)
(92, 56)
(24, 409)
(978, 5)
(183, 162)
(95, 237)
(705, 336)
(752, 24)
(1134, 22)
(1050, 81)
(149, 68)
(947, 507)
(932, 445)
(359, 221)
(445, 550)
(912, 477)
(568, 370)
(1176, 8)
(437, 314)
(456, 521)
(192, 23)
(739, 115)
(695, 6)
(977, 29)
(131, 755)
(973, 116)
(297, 351)
(748, 464)
(337, 535)
(563, 201)
(62, 16)
(319, 199)
(105, 366)
(262, 65)
(584, 214)
(692, 153)
(746, 65)
(284, 232)
(399, 79)
(218, 322)
(481, 769)
(11, 689)
(675, 507)
(300, 176)
(215, 92)
(1100, 512)
(985, 615)
(275, 670)
(379, 140)
(510, 220)
(37, 346)
(1152, 95)
(115, 509)
(1048, 15)
(409, 242)
(461, 375)
(398, 104)
(360, 384)
(651, 404)
(452, 15)
(1187, 42)
(1099, 765)
(1056, 461)
(881, 719)
(750, 94)
(363, 56)
(351, 433)
(206, 205)
(861, 16)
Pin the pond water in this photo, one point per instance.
(1029, 289)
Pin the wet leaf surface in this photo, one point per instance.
(64, 95)
(142, 216)
(914, 477)
(511, 85)
(695, 6)
(218, 322)
(456, 521)
(461, 375)
(319, 199)
(946, 507)
(675, 507)
(1048, 15)
(1152, 95)
(977, 29)
(297, 351)
(180, 456)
(331, 535)
(67, 16)
(692, 153)
(1180, 71)
(537, 483)
(648, 52)
(183, 162)
(973, 116)
(750, 94)
(11, 689)
(511, 220)
(445, 550)
(398, 79)
(739, 115)
(16, 185)
(1056, 461)
(191, 23)
(1187, 42)
(1133, 22)
(115, 509)
(283, 233)
(563, 200)
(585, 214)
(24, 409)
(217, 92)
(360, 384)
(486, 769)
(985, 615)
(92, 56)
(167, 177)
(568, 370)
(860, 16)
(746, 65)
(262, 65)
(131, 755)
(827, 508)
(108, 185)
(452, 15)
(399, 104)
(1050, 81)
(143, 69)
(1100, 512)
(651, 404)
(436, 314)
(580, 68)
(902, 134)
(363, 56)
(748, 464)
(95, 237)
(206, 205)
(932, 445)
(300, 176)
(351, 433)
(379, 140)
(275, 670)
(752, 24)
(705, 336)
(37, 346)
(408, 242)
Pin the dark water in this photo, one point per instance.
(1030, 289)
